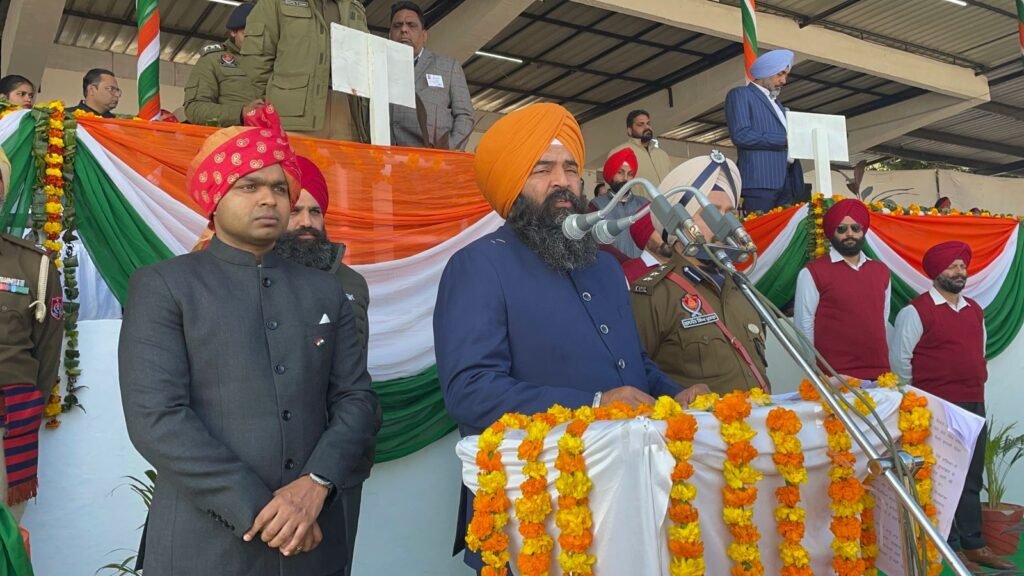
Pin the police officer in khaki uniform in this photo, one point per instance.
(694, 323)
(31, 318)
(218, 90)
(287, 54)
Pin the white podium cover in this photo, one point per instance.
(630, 467)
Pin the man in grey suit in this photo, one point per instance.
(243, 381)
(443, 117)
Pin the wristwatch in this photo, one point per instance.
(322, 481)
(597, 400)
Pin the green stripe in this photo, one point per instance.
(750, 28)
(118, 239)
(149, 82)
(146, 8)
(414, 415)
(24, 174)
(779, 283)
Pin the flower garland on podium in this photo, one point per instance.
(783, 426)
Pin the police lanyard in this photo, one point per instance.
(736, 344)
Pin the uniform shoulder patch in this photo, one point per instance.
(23, 243)
(210, 48)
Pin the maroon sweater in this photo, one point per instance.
(849, 329)
(949, 360)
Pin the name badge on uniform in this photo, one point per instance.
(229, 61)
(435, 81)
(692, 304)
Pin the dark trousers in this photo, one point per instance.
(966, 530)
(764, 199)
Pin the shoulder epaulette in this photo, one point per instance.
(648, 281)
(23, 243)
(212, 48)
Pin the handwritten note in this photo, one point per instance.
(954, 432)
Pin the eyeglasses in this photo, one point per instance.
(842, 228)
(112, 89)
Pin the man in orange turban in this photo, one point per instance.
(938, 346)
(842, 299)
(526, 318)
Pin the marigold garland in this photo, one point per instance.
(740, 491)
(534, 506)
(868, 536)
(915, 423)
(783, 426)
(684, 540)
(573, 518)
(485, 533)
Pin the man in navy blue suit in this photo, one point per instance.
(757, 126)
(526, 318)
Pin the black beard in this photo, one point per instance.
(317, 253)
(847, 249)
(616, 186)
(647, 136)
(952, 285)
(539, 226)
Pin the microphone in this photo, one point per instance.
(606, 231)
(576, 226)
(675, 217)
(725, 226)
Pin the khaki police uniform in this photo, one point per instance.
(218, 87)
(29, 349)
(287, 51)
(679, 332)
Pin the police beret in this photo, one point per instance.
(237, 19)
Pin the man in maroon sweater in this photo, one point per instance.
(842, 298)
(936, 327)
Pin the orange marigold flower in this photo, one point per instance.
(794, 460)
(783, 420)
(533, 563)
(488, 461)
(569, 462)
(576, 428)
(791, 531)
(576, 543)
(686, 549)
(744, 534)
(796, 571)
(532, 529)
(847, 490)
(682, 513)
(682, 471)
(739, 497)
(496, 543)
(808, 392)
(533, 486)
(846, 528)
(681, 427)
(732, 407)
(788, 495)
(530, 449)
(834, 425)
(916, 436)
(741, 452)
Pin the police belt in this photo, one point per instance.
(736, 344)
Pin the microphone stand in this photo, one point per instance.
(897, 468)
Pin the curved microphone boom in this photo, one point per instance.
(576, 226)
(606, 231)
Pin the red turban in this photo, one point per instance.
(511, 147)
(313, 181)
(940, 256)
(615, 162)
(849, 207)
(231, 153)
(641, 231)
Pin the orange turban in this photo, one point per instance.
(511, 147)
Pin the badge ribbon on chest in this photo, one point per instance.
(13, 285)
(692, 304)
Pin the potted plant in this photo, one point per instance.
(1000, 521)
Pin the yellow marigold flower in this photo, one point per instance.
(794, 555)
(54, 172)
(52, 227)
(788, 444)
(51, 410)
(688, 533)
(734, 432)
(681, 449)
(495, 558)
(54, 208)
(542, 545)
(53, 159)
(743, 553)
(58, 142)
(576, 563)
(489, 440)
(535, 469)
(737, 516)
(585, 413)
(492, 482)
(571, 444)
(686, 566)
(683, 491)
(847, 550)
(846, 509)
(537, 430)
(888, 380)
(664, 407)
(791, 514)
(795, 476)
(561, 413)
(704, 402)
(576, 485)
(759, 397)
(738, 476)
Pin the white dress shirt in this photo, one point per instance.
(908, 331)
(776, 105)
(806, 304)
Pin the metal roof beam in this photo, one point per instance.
(616, 35)
(808, 20)
(968, 142)
(690, 96)
(815, 42)
(1003, 170)
(468, 26)
(922, 156)
(545, 95)
(871, 129)
(133, 24)
(29, 29)
(1003, 110)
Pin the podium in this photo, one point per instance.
(630, 468)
